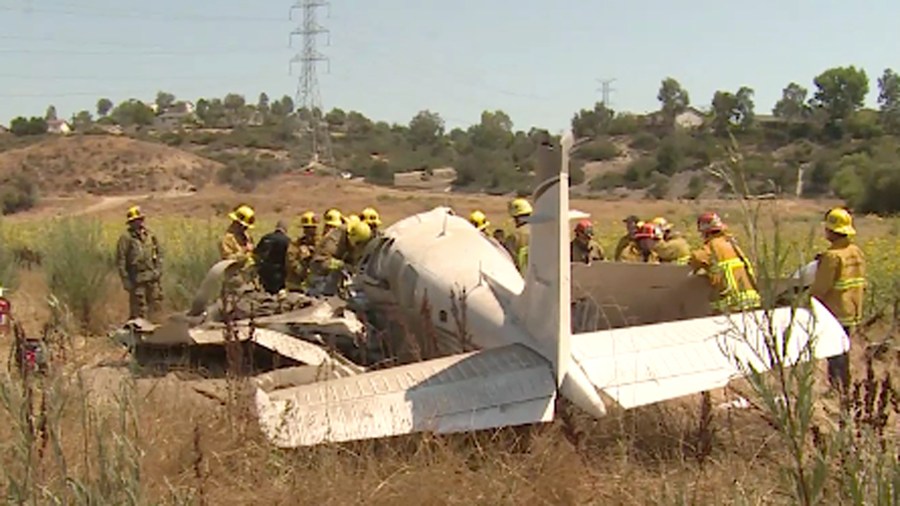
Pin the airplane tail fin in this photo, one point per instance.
(544, 305)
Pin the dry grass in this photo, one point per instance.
(163, 443)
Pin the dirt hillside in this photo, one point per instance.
(105, 165)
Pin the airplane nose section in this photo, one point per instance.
(577, 388)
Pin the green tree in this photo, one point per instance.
(82, 121)
(673, 98)
(792, 106)
(262, 104)
(889, 100)
(592, 122)
(133, 112)
(51, 113)
(493, 132)
(21, 126)
(104, 105)
(732, 110)
(425, 129)
(841, 91)
(164, 101)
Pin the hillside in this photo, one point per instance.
(104, 165)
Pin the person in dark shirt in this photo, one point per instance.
(271, 254)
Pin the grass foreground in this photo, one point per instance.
(104, 436)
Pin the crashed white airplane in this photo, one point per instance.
(521, 328)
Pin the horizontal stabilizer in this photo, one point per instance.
(641, 365)
(499, 387)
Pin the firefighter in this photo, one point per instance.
(479, 221)
(673, 248)
(632, 224)
(300, 252)
(583, 247)
(372, 219)
(237, 244)
(729, 271)
(840, 284)
(337, 252)
(139, 262)
(331, 219)
(642, 248)
(271, 258)
(517, 242)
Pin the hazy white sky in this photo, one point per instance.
(539, 61)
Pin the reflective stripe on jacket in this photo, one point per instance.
(730, 274)
(840, 281)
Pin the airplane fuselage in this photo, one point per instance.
(440, 257)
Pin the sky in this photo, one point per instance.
(539, 61)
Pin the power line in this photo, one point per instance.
(605, 90)
(143, 15)
(308, 96)
(106, 43)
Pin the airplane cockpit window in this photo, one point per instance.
(408, 280)
(371, 262)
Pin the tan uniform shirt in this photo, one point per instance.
(841, 280)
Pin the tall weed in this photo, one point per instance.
(189, 251)
(77, 266)
(8, 265)
(842, 457)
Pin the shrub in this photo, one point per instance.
(645, 141)
(576, 174)
(695, 187)
(607, 181)
(624, 124)
(77, 265)
(8, 267)
(659, 186)
(598, 151)
(670, 156)
(636, 174)
(20, 194)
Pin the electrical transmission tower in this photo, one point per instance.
(308, 98)
(606, 90)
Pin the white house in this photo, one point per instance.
(58, 127)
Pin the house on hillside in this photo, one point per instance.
(690, 119)
(58, 127)
(3, 130)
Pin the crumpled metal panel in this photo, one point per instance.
(493, 388)
(642, 365)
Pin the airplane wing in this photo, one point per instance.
(511, 385)
(641, 365)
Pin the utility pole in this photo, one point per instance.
(606, 90)
(308, 97)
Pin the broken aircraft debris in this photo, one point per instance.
(521, 329)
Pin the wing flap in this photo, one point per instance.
(645, 364)
(504, 386)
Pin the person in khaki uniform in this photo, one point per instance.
(372, 219)
(331, 219)
(673, 248)
(642, 249)
(237, 244)
(139, 263)
(840, 284)
(584, 248)
(632, 224)
(517, 242)
(338, 250)
(479, 220)
(729, 271)
(300, 253)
